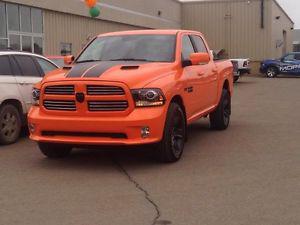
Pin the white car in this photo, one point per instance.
(19, 71)
(240, 67)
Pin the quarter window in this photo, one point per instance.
(27, 66)
(187, 47)
(45, 65)
(5, 68)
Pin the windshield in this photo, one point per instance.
(152, 48)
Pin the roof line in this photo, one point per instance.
(287, 15)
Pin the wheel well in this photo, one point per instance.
(177, 99)
(226, 85)
(273, 66)
(17, 104)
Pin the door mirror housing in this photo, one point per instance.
(68, 59)
(199, 58)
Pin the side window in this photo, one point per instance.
(290, 57)
(45, 65)
(5, 68)
(297, 56)
(199, 44)
(187, 47)
(27, 66)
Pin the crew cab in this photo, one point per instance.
(288, 64)
(132, 88)
(19, 71)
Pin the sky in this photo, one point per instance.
(292, 8)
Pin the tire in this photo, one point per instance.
(220, 118)
(171, 147)
(235, 79)
(55, 151)
(272, 72)
(10, 124)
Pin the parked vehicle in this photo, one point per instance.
(19, 71)
(241, 67)
(132, 88)
(58, 60)
(289, 64)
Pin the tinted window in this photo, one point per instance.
(59, 62)
(199, 44)
(187, 48)
(15, 43)
(2, 20)
(27, 66)
(26, 44)
(5, 68)
(45, 65)
(289, 57)
(38, 45)
(297, 56)
(159, 48)
(13, 17)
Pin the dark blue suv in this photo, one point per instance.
(288, 64)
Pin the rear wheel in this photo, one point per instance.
(236, 79)
(271, 72)
(171, 147)
(55, 150)
(10, 124)
(220, 118)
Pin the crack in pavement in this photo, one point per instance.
(140, 188)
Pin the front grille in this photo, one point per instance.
(235, 65)
(104, 90)
(61, 105)
(84, 134)
(95, 106)
(60, 90)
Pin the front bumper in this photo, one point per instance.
(82, 130)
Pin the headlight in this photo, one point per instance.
(35, 96)
(148, 97)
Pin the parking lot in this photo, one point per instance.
(248, 174)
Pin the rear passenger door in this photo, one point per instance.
(207, 75)
(27, 74)
(8, 84)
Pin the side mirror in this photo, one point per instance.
(199, 58)
(68, 59)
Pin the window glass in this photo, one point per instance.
(297, 56)
(25, 19)
(45, 65)
(27, 66)
(13, 17)
(59, 62)
(289, 57)
(15, 42)
(66, 48)
(3, 44)
(159, 48)
(38, 45)
(37, 20)
(26, 44)
(5, 66)
(199, 44)
(3, 32)
(187, 47)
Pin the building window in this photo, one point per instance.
(21, 28)
(65, 48)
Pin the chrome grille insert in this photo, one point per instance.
(95, 106)
(66, 105)
(104, 90)
(60, 90)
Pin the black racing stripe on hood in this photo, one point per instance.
(104, 66)
(79, 69)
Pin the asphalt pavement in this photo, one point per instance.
(246, 175)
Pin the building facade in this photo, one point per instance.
(62, 27)
(255, 29)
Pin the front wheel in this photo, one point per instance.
(171, 147)
(220, 118)
(55, 150)
(271, 72)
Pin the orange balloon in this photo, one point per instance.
(90, 3)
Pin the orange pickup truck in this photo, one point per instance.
(132, 88)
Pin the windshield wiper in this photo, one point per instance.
(130, 59)
(89, 60)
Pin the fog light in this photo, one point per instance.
(145, 132)
(31, 127)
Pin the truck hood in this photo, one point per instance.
(134, 74)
